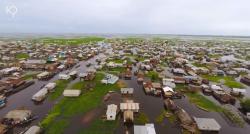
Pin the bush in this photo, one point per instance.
(245, 104)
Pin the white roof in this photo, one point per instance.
(71, 92)
(129, 106)
(239, 90)
(168, 89)
(147, 129)
(112, 108)
(207, 124)
(33, 130)
(215, 87)
(73, 73)
(51, 85)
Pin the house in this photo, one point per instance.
(168, 92)
(45, 75)
(179, 80)
(17, 116)
(50, 86)
(34, 130)
(71, 93)
(246, 80)
(34, 64)
(207, 124)
(144, 129)
(110, 79)
(168, 82)
(127, 91)
(170, 105)
(111, 112)
(40, 95)
(130, 105)
(63, 77)
(178, 72)
(238, 91)
(73, 74)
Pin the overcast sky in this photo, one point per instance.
(199, 17)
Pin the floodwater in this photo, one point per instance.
(152, 107)
(23, 97)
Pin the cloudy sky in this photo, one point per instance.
(199, 17)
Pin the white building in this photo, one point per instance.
(111, 112)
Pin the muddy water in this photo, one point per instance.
(23, 98)
(152, 107)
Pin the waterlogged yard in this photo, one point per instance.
(227, 80)
(59, 116)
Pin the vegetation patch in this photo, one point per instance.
(72, 41)
(202, 102)
(141, 119)
(29, 76)
(22, 56)
(166, 114)
(228, 81)
(68, 107)
(235, 118)
(100, 126)
(153, 75)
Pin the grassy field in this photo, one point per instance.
(202, 102)
(72, 41)
(22, 56)
(228, 81)
(101, 127)
(68, 107)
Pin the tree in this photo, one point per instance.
(245, 104)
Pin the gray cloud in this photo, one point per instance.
(217, 17)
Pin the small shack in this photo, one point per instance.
(34, 130)
(127, 91)
(71, 93)
(17, 116)
(144, 129)
(111, 112)
(207, 124)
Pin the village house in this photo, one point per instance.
(111, 112)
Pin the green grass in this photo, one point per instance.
(22, 56)
(228, 81)
(101, 127)
(198, 64)
(68, 107)
(171, 118)
(72, 41)
(29, 76)
(202, 102)
(141, 119)
(78, 85)
(233, 117)
(58, 126)
(60, 86)
(116, 60)
(153, 75)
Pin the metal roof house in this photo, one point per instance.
(127, 91)
(144, 129)
(111, 112)
(207, 124)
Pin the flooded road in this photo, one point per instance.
(153, 106)
(23, 97)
